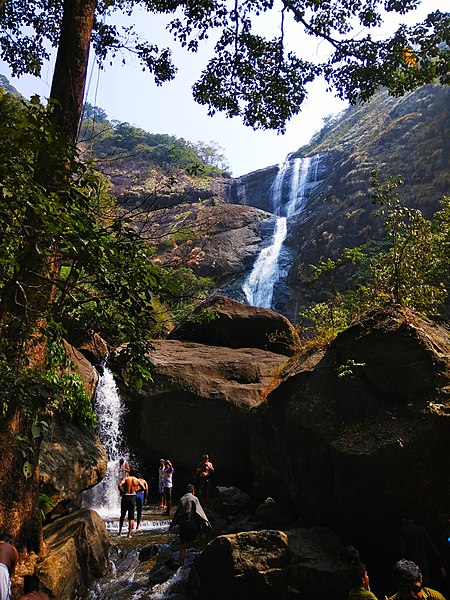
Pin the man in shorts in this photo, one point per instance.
(128, 487)
(191, 518)
(8, 561)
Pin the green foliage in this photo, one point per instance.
(181, 290)
(348, 368)
(248, 75)
(121, 140)
(106, 282)
(409, 268)
(45, 504)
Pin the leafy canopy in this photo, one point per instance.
(249, 75)
(106, 279)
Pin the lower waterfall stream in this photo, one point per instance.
(129, 575)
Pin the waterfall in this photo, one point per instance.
(277, 186)
(109, 407)
(259, 285)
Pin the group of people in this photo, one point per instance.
(407, 578)
(190, 515)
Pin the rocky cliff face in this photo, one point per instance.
(396, 136)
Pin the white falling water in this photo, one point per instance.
(278, 185)
(109, 407)
(259, 285)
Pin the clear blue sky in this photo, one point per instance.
(128, 94)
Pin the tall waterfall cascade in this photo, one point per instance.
(109, 407)
(292, 187)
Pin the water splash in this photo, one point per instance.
(109, 407)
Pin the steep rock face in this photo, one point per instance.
(355, 426)
(201, 401)
(270, 565)
(219, 240)
(221, 321)
(72, 460)
(406, 136)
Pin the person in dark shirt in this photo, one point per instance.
(415, 544)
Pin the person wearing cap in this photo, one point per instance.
(408, 581)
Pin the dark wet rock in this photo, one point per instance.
(229, 500)
(270, 565)
(352, 429)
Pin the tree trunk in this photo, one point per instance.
(19, 513)
(69, 77)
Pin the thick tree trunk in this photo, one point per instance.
(69, 77)
(19, 513)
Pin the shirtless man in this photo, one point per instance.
(128, 487)
(204, 475)
(8, 561)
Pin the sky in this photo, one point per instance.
(128, 94)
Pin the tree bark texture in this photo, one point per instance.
(69, 77)
(19, 514)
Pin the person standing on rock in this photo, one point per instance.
(128, 488)
(141, 499)
(8, 561)
(162, 498)
(191, 518)
(168, 484)
(204, 479)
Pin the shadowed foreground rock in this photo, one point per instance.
(358, 426)
(270, 565)
(78, 553)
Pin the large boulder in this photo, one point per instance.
(270, 565)
(200, 401)
(78, 554)
(71, 460)
(220, 321)
(360, 426)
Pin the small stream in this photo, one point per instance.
(156, 578)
